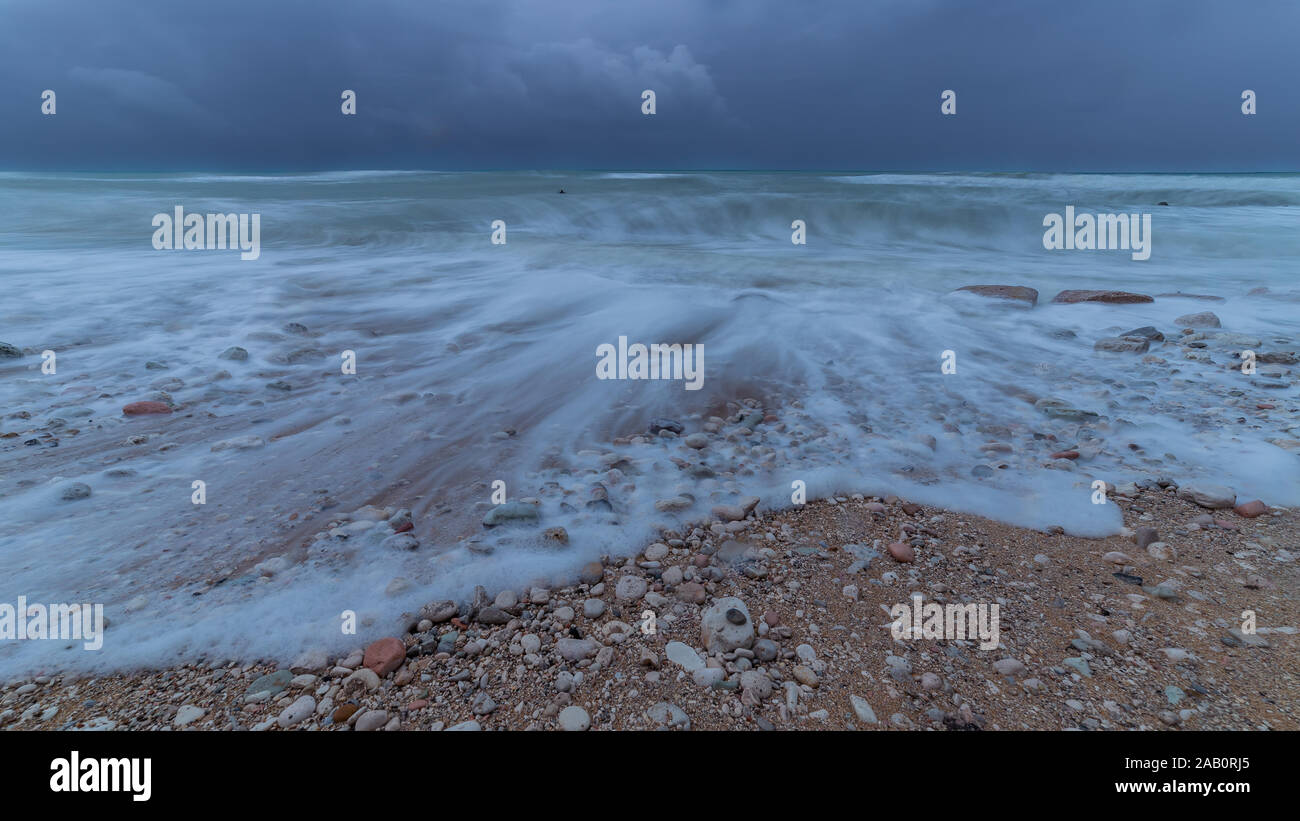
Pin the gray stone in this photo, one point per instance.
(400, 541)
(302, 707)
(669, 715)
(1080, 665)
(511, 512)
(1205, 319)
(630, 588)
(1119, 344)
(370, 720)
(718, 631)
(574, 719)
(271, 682)
(684, 655)
(575, 650)
(1009, 666)
(863, 710)
(74, 491)
(1214, 497)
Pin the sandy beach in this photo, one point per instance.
(1137, 631)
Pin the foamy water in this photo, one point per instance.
(459, 340)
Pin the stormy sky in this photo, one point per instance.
(767, 84)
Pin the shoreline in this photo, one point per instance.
(1080, 646)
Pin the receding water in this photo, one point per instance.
(458, 340)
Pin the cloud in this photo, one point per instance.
(248, 84)
(135, 93)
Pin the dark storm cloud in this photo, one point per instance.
(747, 84)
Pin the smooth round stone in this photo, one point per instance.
(73, 492)
(766, 650)
(669, 715)
(271, 682)
(805, 675)
(591, 573)
(371, 720)
(630, 588)
(574, 719)
(698, 441)
(901, 552)
(593, 608)
(297, 711)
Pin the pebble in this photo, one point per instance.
(144, 408)
(297, 711)
(511, 512)
(465, 726)
(630, 588)
(1251, 510)
(187, 714)
(74, 491)
(901, 552)
(805, 675)
(726, 625)
(1080, 665)
(575, 650)
(1207, 495)
(668, 715)
(591, 573)
(1009, 666)
(684, 655)
(371, 720)
(574, 719)
(863, 710)
(384, 655)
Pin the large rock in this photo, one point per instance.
(1214, 497)
(1119, 344)
(726, 625)
(1112, 297)
(8, 351)
(1149, 332)
(142, 408)
(1205, 319)
(1015, 293)
(511, 512)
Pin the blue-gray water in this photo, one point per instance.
(458, 340)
